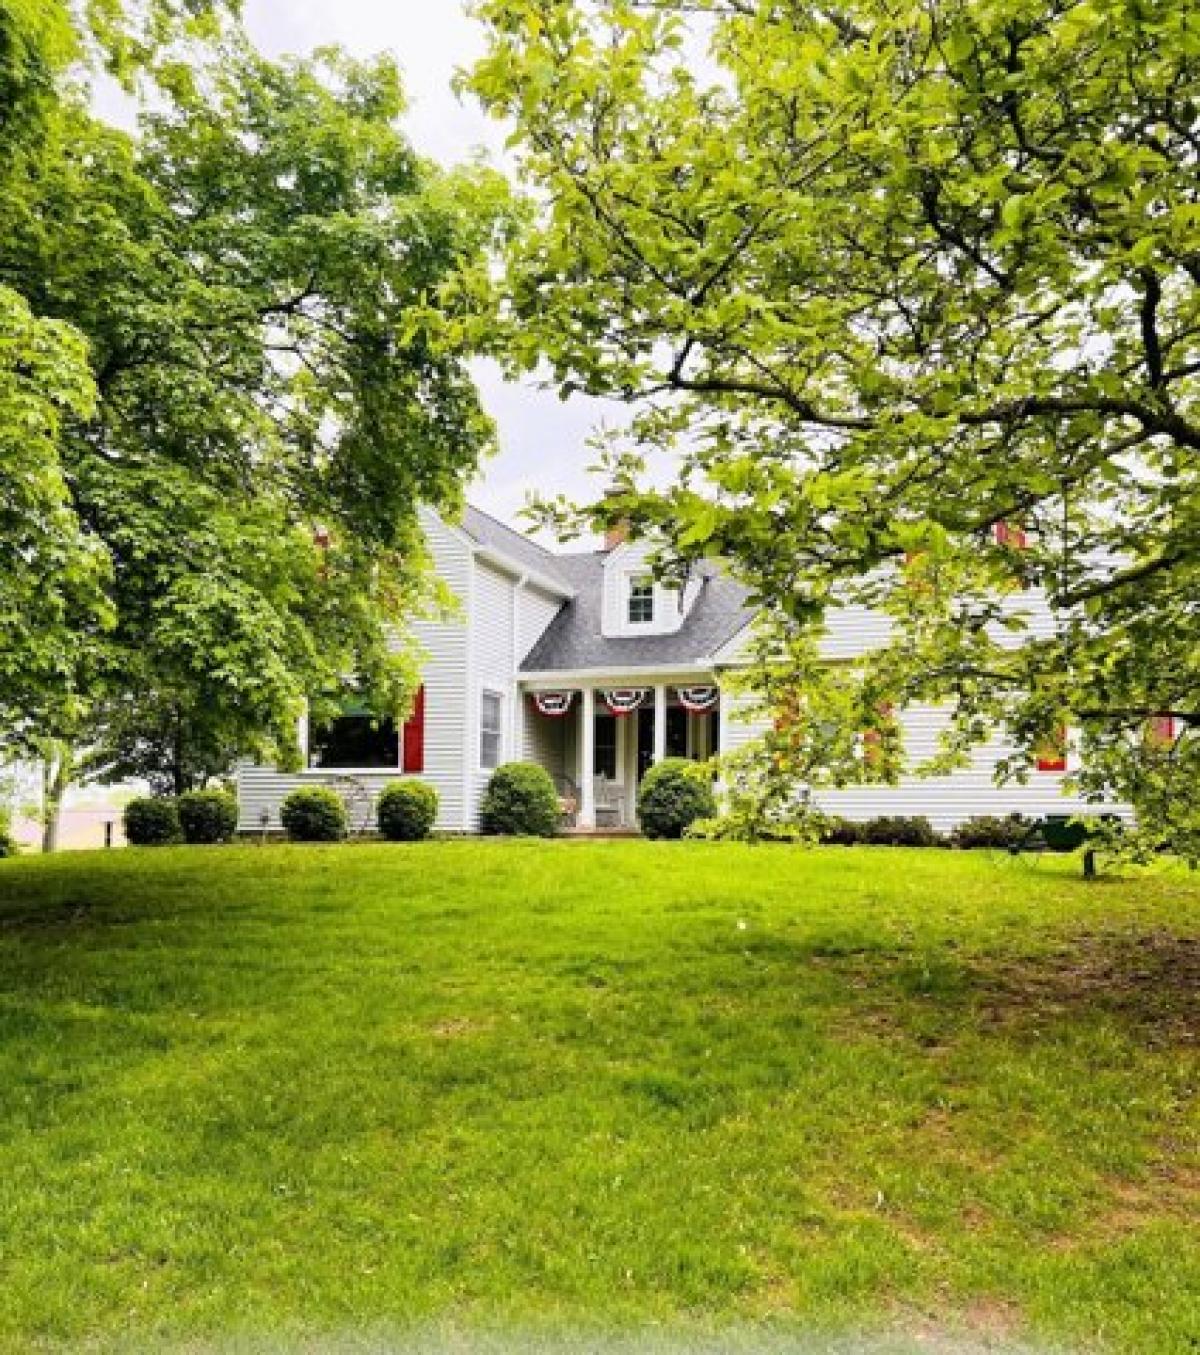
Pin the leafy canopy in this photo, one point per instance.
(898, 284)
(234, 340)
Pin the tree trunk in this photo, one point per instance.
(178, 775)
(58, 766)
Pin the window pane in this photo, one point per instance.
(356, 741)
(605, 762)
(489, 729)
(641, 600)
(677, 731)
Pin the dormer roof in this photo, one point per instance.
(575, 641)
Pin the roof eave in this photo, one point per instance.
(521, 571)
(582, 676)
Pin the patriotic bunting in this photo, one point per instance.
(553, 704)
(624, 700)
(698, 699)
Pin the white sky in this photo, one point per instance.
(541, 438)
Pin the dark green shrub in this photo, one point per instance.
(207, 816)
(1062, 833)
(314, 814)
(407, 811)
(898, 831)
(839, 832)
(674, 794)
(152, 822)
(990, 830)
(520, 801)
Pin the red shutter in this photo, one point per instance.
(414, 735)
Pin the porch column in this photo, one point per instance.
(660, 723)
(518, 724)
(587, 760)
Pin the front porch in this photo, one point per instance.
(599, 739)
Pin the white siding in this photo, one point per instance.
(445, 677)
(535, 612)
(262, 789)
(854, 630)
(736, 729)
(545, 742)
(944, 800)
(495, 609)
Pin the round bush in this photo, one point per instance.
(895, 830)
(520, 801)
(8, 843)
(407, 811)
(207, 816)
(152, 822)
(988, 830)
(314, 814)
(674, 795)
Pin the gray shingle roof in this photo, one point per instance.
(574, 639)
(493, 534)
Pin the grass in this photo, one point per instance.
(486, 1087)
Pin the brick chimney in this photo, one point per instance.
(617, 532)
(616, 535)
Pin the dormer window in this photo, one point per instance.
(641, 600)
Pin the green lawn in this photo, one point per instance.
(602, 1087)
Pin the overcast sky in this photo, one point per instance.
(541, 439)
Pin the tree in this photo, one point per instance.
(262, 281)
(913, 293)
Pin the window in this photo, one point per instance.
(1160, 732)
(355, 740)
(605, 759)
(872, 739)
(1052, 753)
(1007, 534)
(491, 714)
(641, 600)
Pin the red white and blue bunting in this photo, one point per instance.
(699, 700)
(625, 700)
(553, 704)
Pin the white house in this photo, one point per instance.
(583, 663)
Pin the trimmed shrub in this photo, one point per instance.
(674, 795)
(207, 816)
(314, 814)
(152, 821)
(520, 801)
(898, 831)
(407, 811)
(989, 830)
